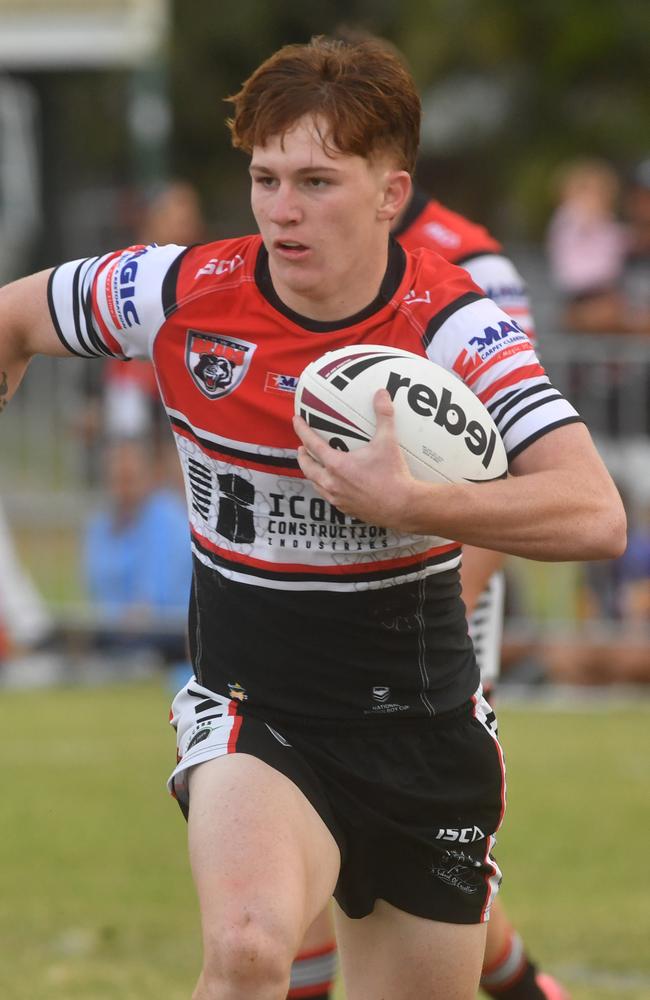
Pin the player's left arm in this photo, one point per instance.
(559, 503)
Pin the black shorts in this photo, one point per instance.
(413, 805)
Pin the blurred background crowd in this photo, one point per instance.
(112, 132)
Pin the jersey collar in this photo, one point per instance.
(390, 284)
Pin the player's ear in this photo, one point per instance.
(395, 194)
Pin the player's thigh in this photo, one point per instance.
(257, 845)
(393, 955)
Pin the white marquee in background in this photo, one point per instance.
(72, 34)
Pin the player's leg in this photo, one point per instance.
(264, 864)
(508, 972)
(397, 956)
(314, 967)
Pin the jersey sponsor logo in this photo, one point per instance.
(380, 693)
(218, 267)
(464, 835)
(120, 289)
(217, 364)
(492, 335)
(280, 385)
(502, 341)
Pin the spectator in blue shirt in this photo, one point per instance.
(137, 560)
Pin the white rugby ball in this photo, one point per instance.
(444, 430)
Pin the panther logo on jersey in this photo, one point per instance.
(217, 363)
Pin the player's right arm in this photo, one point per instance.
(26, 329)
(107, 306)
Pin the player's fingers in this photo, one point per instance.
(315, 445)
(384, 414)
(310, 466)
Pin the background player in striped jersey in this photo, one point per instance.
(318, 579)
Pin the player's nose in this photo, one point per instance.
(285, 209)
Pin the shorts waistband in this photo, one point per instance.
(369, 724)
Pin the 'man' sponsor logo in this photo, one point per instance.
(280, 385)
(494, 336)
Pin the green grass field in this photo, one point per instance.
(97, 902)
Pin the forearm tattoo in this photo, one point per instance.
(4, 390)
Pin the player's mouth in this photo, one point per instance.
(290, 249)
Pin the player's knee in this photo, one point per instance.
(247, 953)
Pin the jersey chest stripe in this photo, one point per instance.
(244, 459)
(305, 571)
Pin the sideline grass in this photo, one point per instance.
(97, 901)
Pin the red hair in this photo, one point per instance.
(361, 91)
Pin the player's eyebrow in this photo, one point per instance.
(260, 168)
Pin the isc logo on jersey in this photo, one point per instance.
(445, 432)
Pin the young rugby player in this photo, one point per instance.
(316, 579)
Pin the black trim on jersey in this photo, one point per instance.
(75, 310)
(527, 409)
(513, 398)
(276, 461)
(390, 283)
(391, 572)
(510, 399)
(441, 317)
(55, 320)
(84, 300)
(416, 206)
(87, 307)
(540, 434)
(170, 284)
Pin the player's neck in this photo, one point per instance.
(334, 297)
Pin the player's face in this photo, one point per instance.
(324, 217)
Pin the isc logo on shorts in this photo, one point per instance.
(466, 835)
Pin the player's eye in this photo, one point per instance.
(316, 183)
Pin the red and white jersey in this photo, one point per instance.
(427, 223)
(227, 354)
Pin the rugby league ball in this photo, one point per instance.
(445, 432)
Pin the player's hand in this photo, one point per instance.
(372, 483)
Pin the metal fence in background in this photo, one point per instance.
(46, 489)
